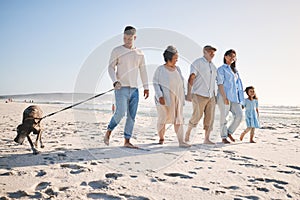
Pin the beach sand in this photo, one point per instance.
(75, 163)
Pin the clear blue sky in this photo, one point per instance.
(43, 44)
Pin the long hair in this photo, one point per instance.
(247, 91)
(233, 65)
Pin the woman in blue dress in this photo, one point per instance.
(251, 113)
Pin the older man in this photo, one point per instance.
(201, 91)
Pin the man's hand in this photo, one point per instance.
(146, 94)
(188, 97)
(117, 85)
(162, 101)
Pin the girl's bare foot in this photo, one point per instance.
(106, 137)
(242, 136)
(184, 145)
(252, 141)
(225, 141)
(208, 142)
(231, 138)
(161, 141)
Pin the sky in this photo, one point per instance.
(44, 45)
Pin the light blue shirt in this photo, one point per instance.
(206, 74)
(161, 85)
(233, 86)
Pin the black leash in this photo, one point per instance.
(76, 104)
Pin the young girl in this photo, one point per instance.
(251, 113)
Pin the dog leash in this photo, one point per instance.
(76, 104)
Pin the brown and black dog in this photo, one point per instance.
(31, 123)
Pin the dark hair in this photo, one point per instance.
(169, 53)
(129, 30)
(229, 53)
(247, 91)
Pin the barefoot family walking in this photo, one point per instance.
(230, 95)
(251, 113)
(201, 91)
(169, 96)
(126, 62)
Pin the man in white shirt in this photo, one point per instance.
(125, 63)
(201, 91)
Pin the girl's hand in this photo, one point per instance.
(162, 101)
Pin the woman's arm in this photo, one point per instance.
(223, 94)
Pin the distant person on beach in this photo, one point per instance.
(201, 91)
(169, 96)
(230, 95)
(251, 113)
(126, 62)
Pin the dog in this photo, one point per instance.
(32, 117)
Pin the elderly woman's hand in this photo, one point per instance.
(162, 101)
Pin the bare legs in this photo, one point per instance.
(251, 134)
(178, 130)
(206, 136)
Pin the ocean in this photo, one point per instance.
(269, 115)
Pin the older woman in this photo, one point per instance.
(169, 96)
(230, 95)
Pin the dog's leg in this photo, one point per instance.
(35, 151)
(39, 137)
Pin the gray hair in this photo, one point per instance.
(169, 53)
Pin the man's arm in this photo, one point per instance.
(144, 77)
(113, 61)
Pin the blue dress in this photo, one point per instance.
(251, 114)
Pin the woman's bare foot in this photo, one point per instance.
(252, 141)
(242, 136)
(129, 145)
(161, 141)
(231, 138)
(106, 137)
(225, 141)
(208, 142)
(184, 145)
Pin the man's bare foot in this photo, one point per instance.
(184, 145)
(242, 136)
(161, 141)
(225, 141)
(208, 142)
(129, 145)
(231, 138)
(106, 137)
(252, 141)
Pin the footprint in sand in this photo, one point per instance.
(183, 176)
(19, 194)
(99, 184)
(134, 197)
(102, 196)
(201, 188)
(42, 186)
(41, 173)
(113, 175)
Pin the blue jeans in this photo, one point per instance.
(237, 113)
(127, 100)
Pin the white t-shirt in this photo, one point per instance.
(206, 75)
(124, 65)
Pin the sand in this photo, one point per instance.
(75, 163)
